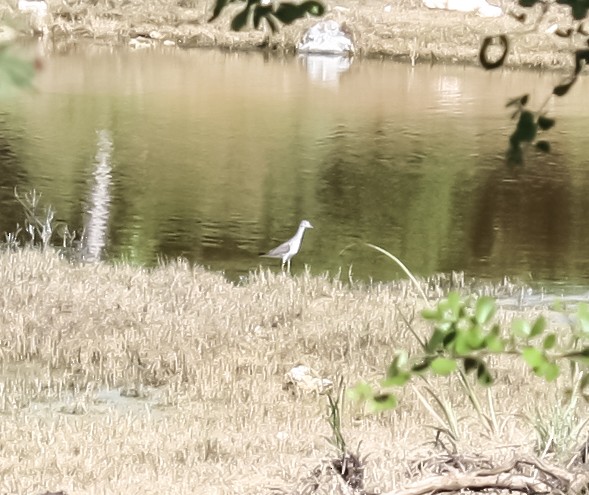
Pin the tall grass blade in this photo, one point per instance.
(399, 262)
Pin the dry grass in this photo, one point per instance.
(118, 379)
(405, 30)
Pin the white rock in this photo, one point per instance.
(282, 436)
(38, 12)
(488, 10)
(481, 7)
(7, 35)
(37, 6)
(140, 42)
(326, 37)
(303, 378)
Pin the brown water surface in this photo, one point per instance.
(217, 157)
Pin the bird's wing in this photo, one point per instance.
(279, 251)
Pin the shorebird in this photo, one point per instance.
(289, 248)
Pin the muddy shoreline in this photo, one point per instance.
(402, 31)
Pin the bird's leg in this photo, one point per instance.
(288, 267)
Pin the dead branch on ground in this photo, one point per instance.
(530, 476)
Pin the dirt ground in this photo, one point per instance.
(399, 29)
(119, 379)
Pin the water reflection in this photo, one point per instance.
(12, 174)
(326, 69)
(521, 218)
(98, 211)
(449, 90)
(220, 156)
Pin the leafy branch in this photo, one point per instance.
(257, 11)
(529, 123)
(464, 337)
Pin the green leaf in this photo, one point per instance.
(583, 317)
(382, 402)
(401, 359)
(421, 366)
(443, 366)
(288, 12)
(579, 10)
(273, 23)
(397, 363)
(449, 309)
(563, 89)
(533, 357)
(483, 375)
(361, 392)
(549, 371)
(392, 370)
(485, 309)
(470, 364)
(557, 306)
(581, 356)
(526, 128)
(519, 101)
(449, 339)
(528, 3)
(549, 341)
(581, 60)
(313, 7)
(584, 381)
(240, 20)
(398, 380)
(431, 314)
(219, 6)
(493, 341)
(545, 123)
(261, 12)
(454, 305)
(435, 340)
(475, 337)
(521, 328)
(538, 327)
(461, 344)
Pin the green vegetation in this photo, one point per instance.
(15, 71)
(464, 339)
(273, 14)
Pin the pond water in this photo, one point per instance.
(217, 157)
